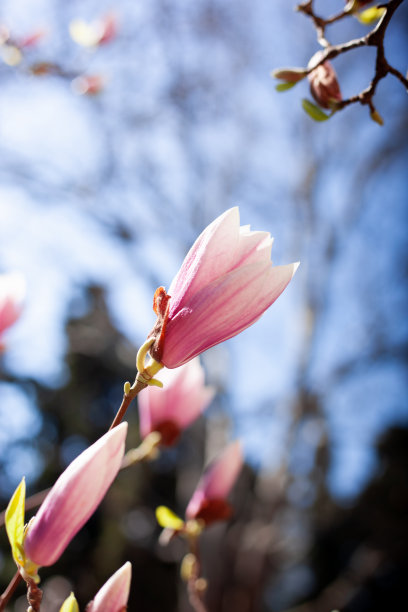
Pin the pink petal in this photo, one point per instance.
(74, 497)
(253, 247)
(114, 594)
(218, 480)
(182, 399)
(12, 293)
(222, 309)
(220, 477)
(211, 255)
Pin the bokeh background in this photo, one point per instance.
(100, 198)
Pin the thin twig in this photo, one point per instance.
(375, 38)
(196, 585)
(194, 597)
(126, 401)
(320, 23)
(8, 593)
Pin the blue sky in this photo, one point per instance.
(189, 125)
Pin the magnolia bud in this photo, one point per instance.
(324, 86)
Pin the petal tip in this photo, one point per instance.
(295, 267)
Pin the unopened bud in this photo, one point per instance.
(324, 85)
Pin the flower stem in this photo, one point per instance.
(126, 401)
(6, 596)
(34, 596)
(143, 379)
(196, 585)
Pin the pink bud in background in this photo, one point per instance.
(31, 40)
(108, 28)
(225, 284)
(181, 401)
(74, 498)
(88, 84)
(209, 500)
(114, 594)
(12, 293)
(324, 86)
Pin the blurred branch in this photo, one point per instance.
(375, 38)
(397, 353)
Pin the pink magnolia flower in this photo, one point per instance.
(88, 84)
(225, 284)
(171, 409)
(208, 502)
(12, 293)
(114, 594)
(74, 498)
(324, 85)
(108, 28)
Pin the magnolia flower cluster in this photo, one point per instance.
(224, 285)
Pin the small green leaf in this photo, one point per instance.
(70, 604)
(167, 518)
(370, 15)
(284, 86)
(314, 111)
(15, 522)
